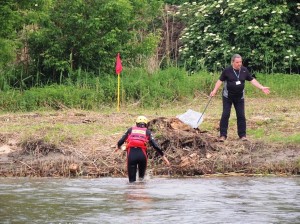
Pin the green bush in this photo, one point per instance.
(89, 34)
(264, 32)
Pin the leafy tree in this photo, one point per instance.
(264, 32)
(17, 18)
(8, 32)
(87, 34)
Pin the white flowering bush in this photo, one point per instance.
(264, 32)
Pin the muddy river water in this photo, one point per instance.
(156, 200)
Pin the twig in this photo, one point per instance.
(28, 166)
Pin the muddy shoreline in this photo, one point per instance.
(191, 152)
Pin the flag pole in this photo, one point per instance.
(118, 106)
(118, 71)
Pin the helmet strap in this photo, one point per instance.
(141, 125)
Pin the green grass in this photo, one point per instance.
(265, 121)
(163, 88)
(278, 137)
(281, 85)
(258, 133)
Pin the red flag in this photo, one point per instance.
(118, 64)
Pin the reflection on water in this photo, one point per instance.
(158, 200)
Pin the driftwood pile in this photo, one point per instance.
(190, 151)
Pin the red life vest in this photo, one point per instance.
(137, 138)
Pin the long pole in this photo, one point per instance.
(118, 106)
(204, 109)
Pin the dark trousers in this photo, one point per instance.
(239, 105)
(136, 159)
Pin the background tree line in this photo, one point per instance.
(55, 41)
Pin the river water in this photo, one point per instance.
(157, 200)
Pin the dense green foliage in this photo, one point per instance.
(163, 88)
(10, 22)
(88, 35)
(56, 37)
(74, 43)
(264, 32)
(93, 92)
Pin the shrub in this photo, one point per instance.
(264, 32)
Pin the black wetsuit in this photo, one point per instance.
(136, 156)
(233, 93)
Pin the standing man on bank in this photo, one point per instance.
(234, 78)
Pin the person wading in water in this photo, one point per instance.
(137, 138)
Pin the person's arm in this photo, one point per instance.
(266, 90)
(217, 86)
(166, 160)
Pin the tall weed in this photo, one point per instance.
(280, 85)
(83, 90)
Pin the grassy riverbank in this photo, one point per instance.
(270, 120)
(72, 128)
(48, 143)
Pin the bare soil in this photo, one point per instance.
(27, 148)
